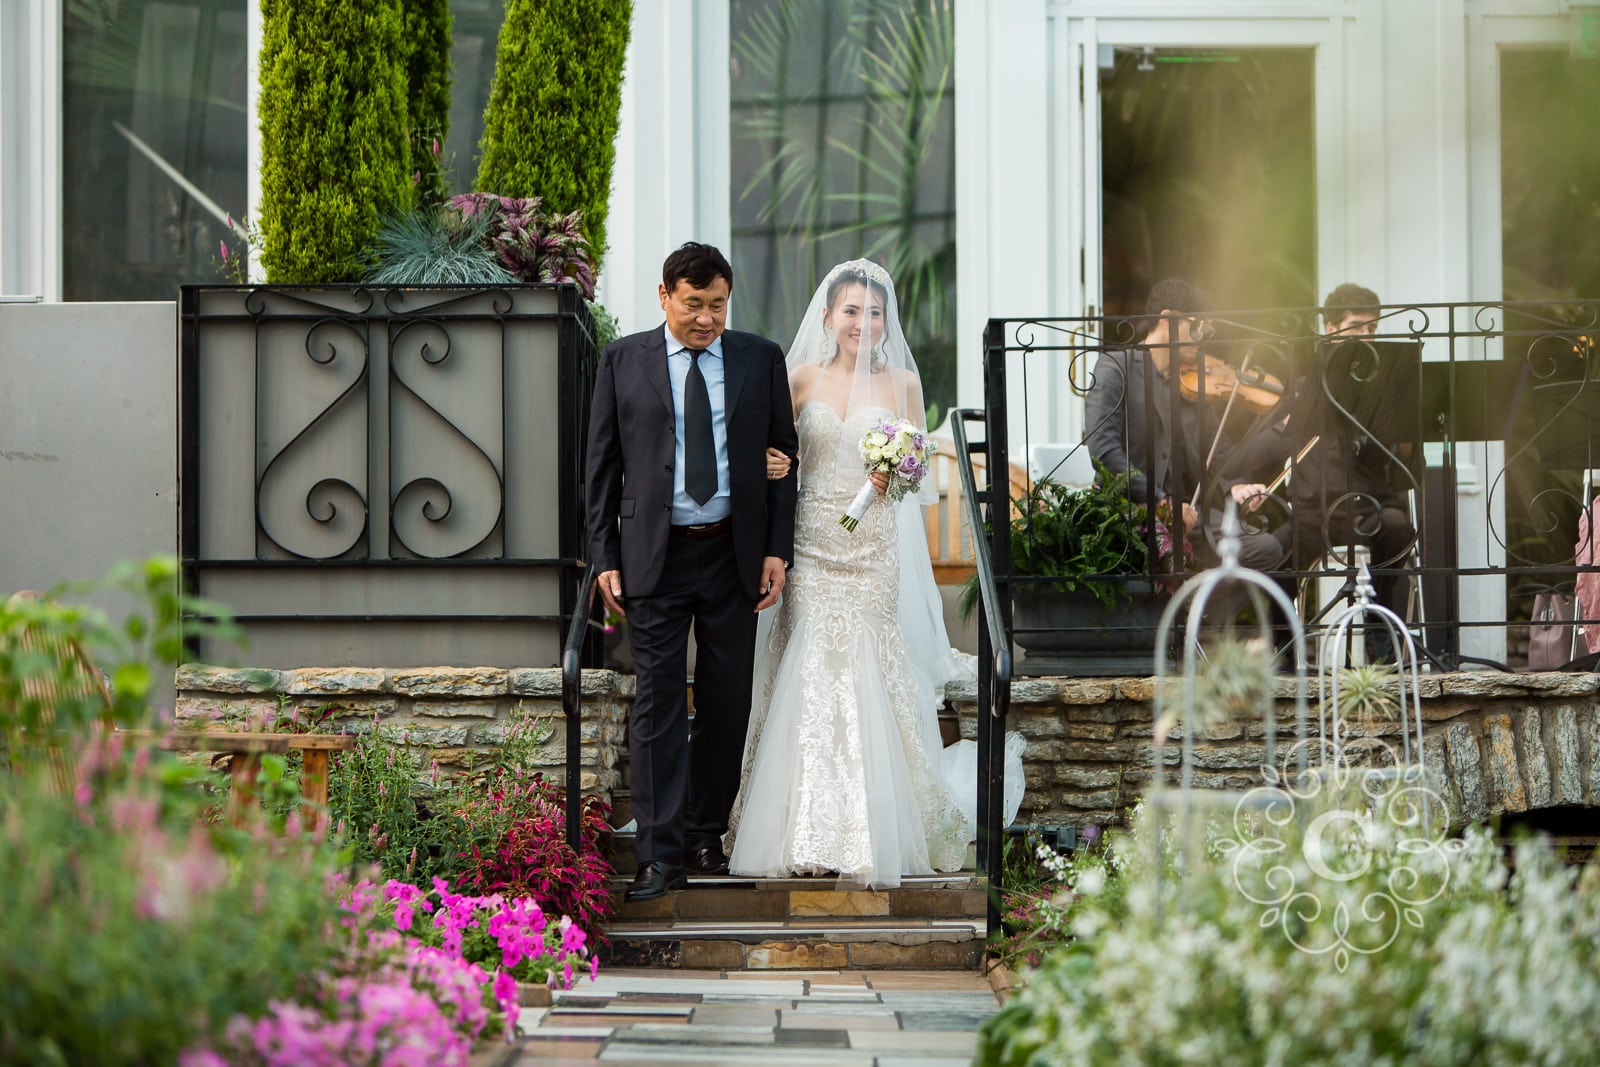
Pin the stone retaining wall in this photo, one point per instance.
(455, 713)
(1499, 742)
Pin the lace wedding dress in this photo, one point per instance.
(842, 761)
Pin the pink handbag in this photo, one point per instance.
(1551, 632)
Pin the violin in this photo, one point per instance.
(1255, 389)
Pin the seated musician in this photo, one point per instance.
(1131, 383)
(1341, 490)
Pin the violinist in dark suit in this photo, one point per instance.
(689, 527)
(1135, 424)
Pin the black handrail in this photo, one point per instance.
(572, 702)
(994, 656)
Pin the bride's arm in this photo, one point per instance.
(801, 380)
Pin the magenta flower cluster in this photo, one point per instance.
(426, 975)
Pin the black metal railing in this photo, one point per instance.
(572, 661)
(994, 654)
(1449, 451)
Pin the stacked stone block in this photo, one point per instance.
(456, 714)
(1495, 743)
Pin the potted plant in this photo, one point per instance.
(1099, 616)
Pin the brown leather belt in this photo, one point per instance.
(703, 530)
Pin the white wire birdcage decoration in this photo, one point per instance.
(1184, 808)
(1402, 783)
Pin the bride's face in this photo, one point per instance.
(855, 319)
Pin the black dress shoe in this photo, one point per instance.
(708, 860)
(655, 879)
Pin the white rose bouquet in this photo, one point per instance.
(898, 448)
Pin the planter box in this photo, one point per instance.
(1074, 635)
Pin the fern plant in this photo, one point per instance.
(437, 246)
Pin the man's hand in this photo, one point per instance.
(610, 583)
(881, 480)
(1190, 517)
(772, 579)
(1249, 496)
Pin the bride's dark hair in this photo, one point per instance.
(843, 279)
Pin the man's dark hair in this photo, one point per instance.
(1347, 298)
(696, 264)
(1170, 294)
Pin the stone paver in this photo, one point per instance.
(831, 1018)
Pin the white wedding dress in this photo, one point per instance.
(842, 766)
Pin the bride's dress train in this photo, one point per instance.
(842, 767)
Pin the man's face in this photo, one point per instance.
(1354, 324)
(696, 316)
(1190, 329)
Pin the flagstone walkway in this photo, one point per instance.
(780, 1018)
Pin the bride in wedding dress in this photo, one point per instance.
(843, 766)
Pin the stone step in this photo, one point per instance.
(825, 943)
(929, 922)
(624, 860)
(729, 898)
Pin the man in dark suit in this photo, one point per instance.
(687, 528)
(1135, 424)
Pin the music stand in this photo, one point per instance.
(1368, 394)
(1378, 383)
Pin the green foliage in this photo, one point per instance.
(334, 158)
(606, 327)
(1043, 889)
(428, 32)
(437, 246)
(131, 928)
(134, 924)
(1076, 534)
(551, 122)
(34, 637)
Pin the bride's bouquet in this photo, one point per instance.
(901, 450)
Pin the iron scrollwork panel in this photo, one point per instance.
(311, 407)
(446, 444)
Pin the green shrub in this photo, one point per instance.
(334, 159)
(551, 123)
(131, 928)
(429, 26)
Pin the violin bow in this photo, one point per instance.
(1233, 394)
(1287, 467)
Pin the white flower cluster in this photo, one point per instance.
(1181, 968)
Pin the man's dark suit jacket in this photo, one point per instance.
(1117, 433)
(631, 454)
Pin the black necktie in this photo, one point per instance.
(699, 447)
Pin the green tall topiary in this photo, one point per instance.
(333, 134)
(551, 123)
(429, 29)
